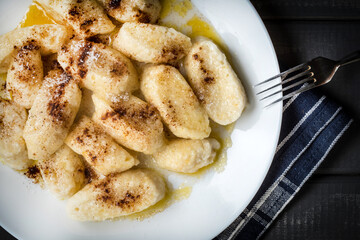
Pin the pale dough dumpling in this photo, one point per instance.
(98, 148)
(25, 75)
(186, 155)
(99, 68)
(117, 195)
(51, 115)
(12, 145)
(151, 43)
(214, 82)
(50, 38)
(63, 172)
(144, 11)
(86, 17)
(165, 88)
(131, 122)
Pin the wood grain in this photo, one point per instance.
(308, 9)
(344, 158)
(299, 41)
(326, 208)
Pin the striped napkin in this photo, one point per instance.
(311, 126)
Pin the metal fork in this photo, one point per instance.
(316, 72)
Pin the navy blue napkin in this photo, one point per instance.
(311, 126)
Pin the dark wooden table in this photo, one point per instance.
(328, 206)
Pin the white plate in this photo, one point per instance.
(28, 212)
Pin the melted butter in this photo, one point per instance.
(223, 135)
(171, 197)
(170, 6)
(166, 8)
(35, 16)
(202, 28)
(183, 7)
(182, 16)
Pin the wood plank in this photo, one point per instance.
(299, 41)
(308, 9)
(326, 208)
(344, 158)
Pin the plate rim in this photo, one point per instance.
(279, 118)
(280, 105)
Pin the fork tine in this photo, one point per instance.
(285, 73)
(306, 72)
(300, 90)
(289, 87)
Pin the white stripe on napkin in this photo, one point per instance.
(293, 98)
(299, 123)
(275, 184)
(306, 178)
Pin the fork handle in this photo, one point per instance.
(353, 57)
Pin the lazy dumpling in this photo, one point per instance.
(98, 148)
(51, 115)
(12, 145)
(165, 88)
(99, 68)
(187, 155)
(151, 43)
(63, 172)
(214, 82)
(25, 75)
(144, 11)
(117, 195)
(86, 17)
(131, 122)
(50, 38)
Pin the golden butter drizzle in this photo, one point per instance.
(183, 17)
(35, 16)
(223, 135)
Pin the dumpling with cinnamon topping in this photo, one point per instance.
(86, 17)
(12, 145)
(151, 43)
(50, 38)
(214, 82)
(144, 11)
(63, 172)
(25, 74)
(99, 68)
(165, 88)
(117, 195)
(51, 115)
(131, 122)
(98, 148)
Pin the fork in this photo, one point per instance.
(314, 73)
